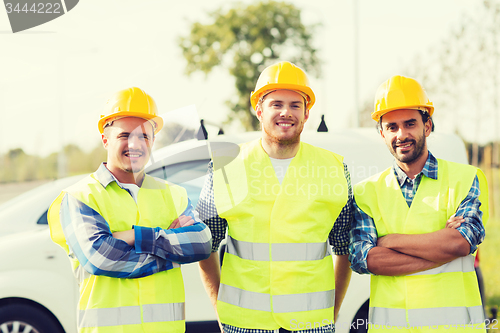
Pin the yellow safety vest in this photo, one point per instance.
(278, 269)
(113, 305)
(439, 299)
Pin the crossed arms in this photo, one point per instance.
(398, 254)
(134, 253)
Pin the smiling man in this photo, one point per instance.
(282, 211)
(418, 224)
(126, 232)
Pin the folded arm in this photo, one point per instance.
(464, 232)
(368, 258)
(384, 261)
(90, 240)
(186, 240)
(439, 247)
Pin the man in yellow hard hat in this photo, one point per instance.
(418, 224)
(278, 271)
(127, 232)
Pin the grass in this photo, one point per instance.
(489, 255)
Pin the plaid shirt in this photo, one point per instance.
(364, 234)
(339, 235)
(90, 240)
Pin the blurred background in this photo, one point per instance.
(201, 59)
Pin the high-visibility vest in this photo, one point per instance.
(437, 299)
(153, 303)
(278, 269)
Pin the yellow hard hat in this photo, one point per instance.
(131, 102)
(283, 75)
(400, 92)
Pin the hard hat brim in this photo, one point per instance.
(255, 95)
(376, 115)
(158, 120)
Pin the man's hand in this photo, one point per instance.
(454, 221)
(128, 236)
(182, 221)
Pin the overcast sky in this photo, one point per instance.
(55, 78)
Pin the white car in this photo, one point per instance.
(38, 292)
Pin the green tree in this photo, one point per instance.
(461, 75)
(17, 166)
(246, 39)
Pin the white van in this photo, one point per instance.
(38, 292)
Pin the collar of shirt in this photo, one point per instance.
(105, 177)
(430, 170)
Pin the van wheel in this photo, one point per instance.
(16, 318)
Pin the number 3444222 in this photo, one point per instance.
(36, 8)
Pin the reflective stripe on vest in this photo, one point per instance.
(463, 264)
(125, 315)
(427, 316)
(386, 316)
(244, 298)
(130, 315)
(279, 251)
(163, 312)
(304, 302)
(281, 303)
(445, 295)
(158, 299)
(280, 248)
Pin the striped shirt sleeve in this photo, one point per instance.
(472, 229)
(90, 240)
(363, 235)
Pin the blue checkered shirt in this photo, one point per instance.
(364, 234)
(338, 237)
(90, 240)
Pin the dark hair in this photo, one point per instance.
(425, 117)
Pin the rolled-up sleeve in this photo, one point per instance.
(90, 240)
(472, 229)
(363, 237)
